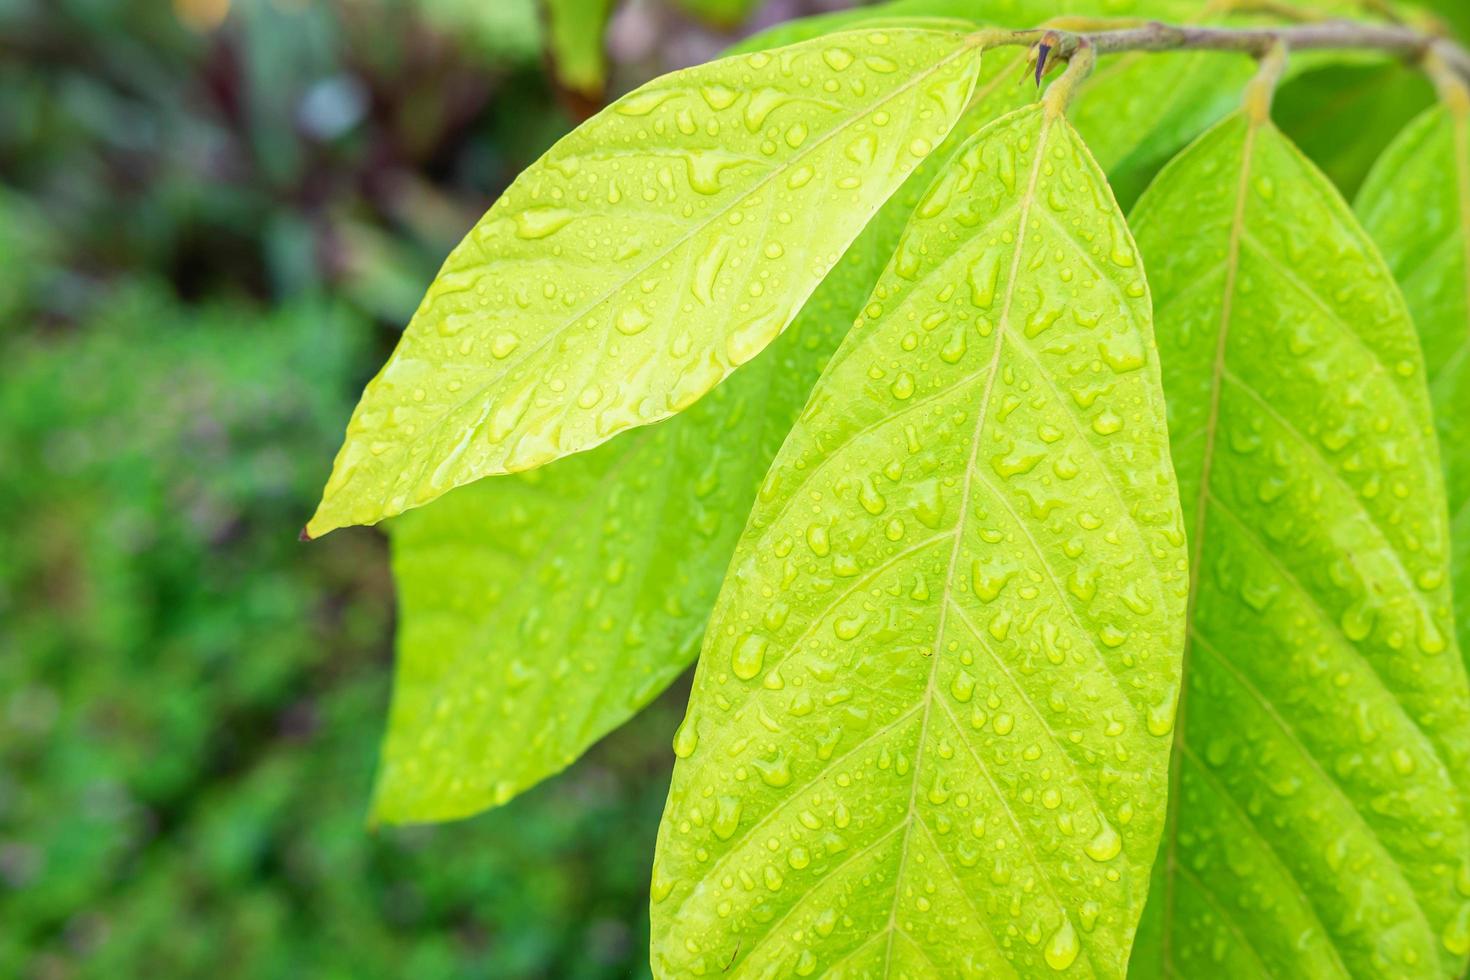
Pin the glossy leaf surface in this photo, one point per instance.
(928, 734)
(1135, 111)
(660, 245)
(1416, 205)
(538, 611)
(503, 585)
(1315, 825)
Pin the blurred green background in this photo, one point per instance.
(215, 217)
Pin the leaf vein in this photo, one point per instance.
(795, 795)
(1066, 753)
(1235, 806)
(1041, 874)
(1332, 471)
(1332, 783)
(771, 931)
(1333, 626)
(1003, 322)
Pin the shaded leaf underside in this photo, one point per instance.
(927, 735)
(1315, 824)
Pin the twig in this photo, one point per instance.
(1393, 39)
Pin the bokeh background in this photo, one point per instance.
(215, 217)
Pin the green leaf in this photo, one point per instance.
(541, 544)
(725, 13)
(1315, 828)
(539, 611)
(807, 29)
(505, 31)
(1139, 108)
(575, 30)
(1454, 11)
(1134, 112)
(660, 245)
(1416, 205)
(919, 738)
(1342, 116)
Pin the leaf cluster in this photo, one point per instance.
(1073, 592)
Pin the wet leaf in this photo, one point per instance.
(1416, 205)
(663, 243)
(539, 543)
(1315, 825)
(1139, 108)
(919, 740)
(541, 610)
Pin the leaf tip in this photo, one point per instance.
(305, 535)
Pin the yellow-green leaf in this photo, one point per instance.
(660, 245)
(554, 676)
(1315, 825)
(1416, 205)
(928, 733)
(539, 611)
(1135, 111)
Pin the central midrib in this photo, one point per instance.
(964, 507)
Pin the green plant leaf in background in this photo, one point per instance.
(1139, 108)
(1416, 205)
(721, 13)
(660, 245)
(1343, 115)
(1315, 827)
(506, 30)
(928, 734)
(575, 30)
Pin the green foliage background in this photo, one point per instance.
(210, 233)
